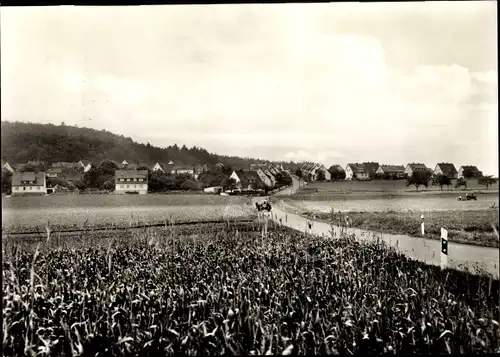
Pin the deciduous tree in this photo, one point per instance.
(487, 181)
(419, 178)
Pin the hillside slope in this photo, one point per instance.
(52, 143)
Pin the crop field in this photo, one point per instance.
(231, 289)
(393, 185)
(366, 203)
(21, 214)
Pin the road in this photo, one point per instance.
(460, 256)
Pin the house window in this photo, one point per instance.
(24, 188)
(128, 186)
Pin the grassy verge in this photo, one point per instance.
(230, 289)
(468, 227)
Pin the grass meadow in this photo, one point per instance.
(231, 289)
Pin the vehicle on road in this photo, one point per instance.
(263, 206)
(467, 197)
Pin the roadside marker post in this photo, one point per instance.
(444, 248)
(422, 224)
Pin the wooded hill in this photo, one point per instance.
(50, 143)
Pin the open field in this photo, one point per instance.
(397, 186)
(228, 289)
(69, 212)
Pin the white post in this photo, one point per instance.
(422, 224)
(444, 248)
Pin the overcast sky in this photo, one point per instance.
(335, 83)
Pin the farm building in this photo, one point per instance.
(395, 171)
(29, 183)
(356, 172)
(447, 169)
(473, 170)
(131, 181)
(414, 167)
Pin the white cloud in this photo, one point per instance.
(289, 78)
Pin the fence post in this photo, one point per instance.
(422, 224)
(444, 248)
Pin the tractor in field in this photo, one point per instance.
(467, 197)
(263, 206)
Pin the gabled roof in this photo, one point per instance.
(447, 168)
(85, 162)
(357, 168)
(338, 167)
(470, 167)
(67, 165)
(392, 168)
(129, 166)
(371, 167)
(131, 174)
(19, 177)
(418, 167)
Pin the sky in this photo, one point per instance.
(332, 83)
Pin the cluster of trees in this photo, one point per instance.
(426, 179)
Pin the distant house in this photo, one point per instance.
(415, 167)
(324, 170)
(394, 171)
(473, 169)
(356, 172)
(199, 169)
(128, 166)
(263, 177)
(67, 165)
(247, 180)
(129, 181)
(36, 163)
(54, 172)
(166, 168)
(371, 168)
(311, 170)
(447, 169)
(86, 164)
(183, 169)
(6, 166)
(73, 177)
(29, 183)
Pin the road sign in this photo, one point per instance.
(444, 248)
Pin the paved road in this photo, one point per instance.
(460, 256)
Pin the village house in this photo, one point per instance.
(131, 181)
(371, 168)
(415, 167)
(263, 177)
(246, 180)
(166, 168)
(473, 169)
(356, 172)
(29, 183)
(447, 169)
(183, 169)
(394, 171)
(125, 165)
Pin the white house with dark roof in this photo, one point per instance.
(131, 181)
(447, 169)
(29, 183)
(415, 167)
(356, 172)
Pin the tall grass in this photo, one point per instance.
(233, 288)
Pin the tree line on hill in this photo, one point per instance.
(50, 143)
